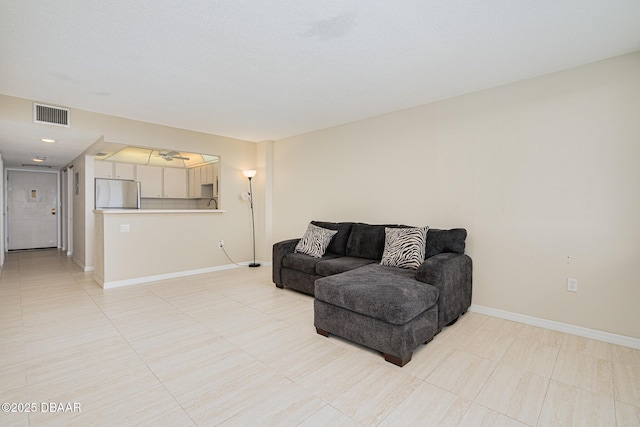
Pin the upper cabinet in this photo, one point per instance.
(103, 169)
(194, 183)
(206, 174)
(175, 183)
(158, 182)
(113, 170)
(204, 181)
(124, 171)
(210, 175)
(150, 178)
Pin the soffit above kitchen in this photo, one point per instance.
(154, 156)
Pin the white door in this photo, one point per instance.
(32, 220)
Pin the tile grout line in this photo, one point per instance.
(160, 382)
(546, 392)
(36, 295)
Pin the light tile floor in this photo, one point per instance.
(229, 348)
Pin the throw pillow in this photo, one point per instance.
(315, 241)
(439, 241)
(338, 244)
(404, 247)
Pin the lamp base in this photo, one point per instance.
(254, 264)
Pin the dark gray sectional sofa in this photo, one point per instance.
(390, 309)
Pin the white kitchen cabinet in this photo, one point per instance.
(203, 181)
(175, 183)
(106, 169)
(102, 169)
(191, 180)
(206, 174)
(150, 178)
(195, 183)
(124, 170)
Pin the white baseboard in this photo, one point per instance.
(558, 326)
(177, 274)
(84, 268)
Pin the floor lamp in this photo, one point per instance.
(250, 174)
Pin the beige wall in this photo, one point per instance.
(82, 222)
(2, 210)
(543, 174)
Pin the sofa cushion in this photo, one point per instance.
(439, 241)
(303, 262)
(404, 247)
(387, 293)
(338, 244)
(298, 280)
(315, 241)
(329, 267)
(366, 241)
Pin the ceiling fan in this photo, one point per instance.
(171, 155)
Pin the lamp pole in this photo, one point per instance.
(250, 174)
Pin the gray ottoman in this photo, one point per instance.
(384, 308)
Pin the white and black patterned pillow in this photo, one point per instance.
(315, 241)
(404, 247)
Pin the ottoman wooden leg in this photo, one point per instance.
(322, 332)
(396, 360)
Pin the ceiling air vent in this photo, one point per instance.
(49, 115)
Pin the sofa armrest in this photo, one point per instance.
(452, 275)
(281, 249)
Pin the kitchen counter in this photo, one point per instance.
(144, 245)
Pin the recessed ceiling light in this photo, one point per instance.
(49, 140)
(39, 159)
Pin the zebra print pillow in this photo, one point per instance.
(404, 247)
(315, 241)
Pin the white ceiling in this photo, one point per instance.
(264, 70)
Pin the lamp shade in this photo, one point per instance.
(249, 173)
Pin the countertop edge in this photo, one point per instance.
(155, 211)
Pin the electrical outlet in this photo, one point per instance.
(221, 244)
(572, 284)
